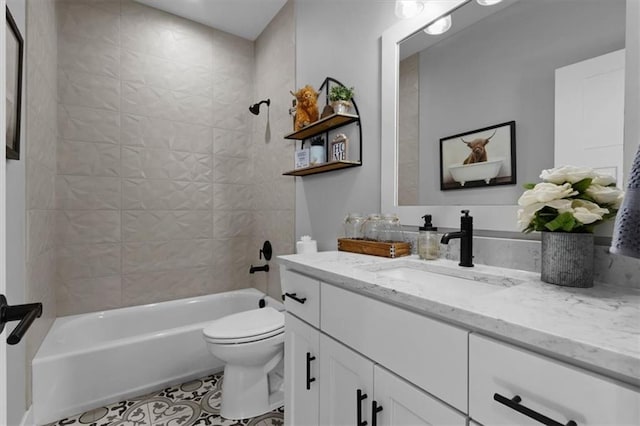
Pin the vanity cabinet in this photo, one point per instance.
(330, 371)
(302, 348)
(505, 380)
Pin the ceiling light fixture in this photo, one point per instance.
(408, 8)
(488, 2)
(440, 26)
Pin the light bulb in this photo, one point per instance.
(408, 8)
(440, 26)
(488, 2)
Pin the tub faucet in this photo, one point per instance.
(255, 269)
(466, 239)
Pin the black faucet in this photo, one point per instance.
(466, 239)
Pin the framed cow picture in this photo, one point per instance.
(479, 158)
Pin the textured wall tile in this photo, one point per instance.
(88, 159)
(274, 223)
(88, 125)
(166, 225)
(151, 287)
(232, 224)
(87, 226)
(90, 56)
(161, 103)
(230, 143)
(40, 232)
(146, 194)
(84, 20)
(231, 263)
(167, 74)
(89, 295)
(88, 90)
(41, 186)
(232, 170)
(232, 197)
(157, 133)
(231, 116)
(88, 261)
(87, 193)
(156, 163)
(278, 194)
(165, 255)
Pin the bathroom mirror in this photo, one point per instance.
(493, 66)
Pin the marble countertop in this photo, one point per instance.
(597, 328)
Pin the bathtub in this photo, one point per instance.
(485, 171)
(95, 359)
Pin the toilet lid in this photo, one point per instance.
(256, 323)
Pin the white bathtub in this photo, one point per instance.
(485, 171)
(94, 359)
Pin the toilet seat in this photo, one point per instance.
(245, 327)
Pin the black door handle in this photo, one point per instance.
(309, 378)
(359, 398)
(514, 404)
(26, 314)
(296, 298)
(375, 409)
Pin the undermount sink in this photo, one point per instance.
(441, 279)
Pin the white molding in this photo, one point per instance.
(3, 209)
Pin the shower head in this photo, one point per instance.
(255, 108)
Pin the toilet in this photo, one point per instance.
(251, 344)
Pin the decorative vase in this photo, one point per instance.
(341, 107)
(567, 259)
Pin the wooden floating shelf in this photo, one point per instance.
(324, 167)
(323, 125)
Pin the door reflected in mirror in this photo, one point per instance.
(494, 66)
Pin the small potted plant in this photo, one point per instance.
(566, 207)
(340, 97)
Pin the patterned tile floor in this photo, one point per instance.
(196, 403)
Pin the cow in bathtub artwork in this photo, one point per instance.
(479, 158)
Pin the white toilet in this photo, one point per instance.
(251, 343)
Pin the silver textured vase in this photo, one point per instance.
(567, 259)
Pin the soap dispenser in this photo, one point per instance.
(428, 240)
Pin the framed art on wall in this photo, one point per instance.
(479, 158)
(15, 51)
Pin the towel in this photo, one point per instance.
(626, 234)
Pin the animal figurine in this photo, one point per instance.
(306, 107)
(478, 151)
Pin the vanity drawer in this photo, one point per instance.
(428, 353)
(301, 296)
(554, 389)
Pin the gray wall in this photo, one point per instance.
(16, 282)
(341, 39)
(502, 69)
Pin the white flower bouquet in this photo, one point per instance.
(570, 199)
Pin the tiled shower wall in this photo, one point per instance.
(409, 131)
(274, 194)
(155, 157)
(40, 157)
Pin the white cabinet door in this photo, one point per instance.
(301, 351)
(345, 376)
(405, 405)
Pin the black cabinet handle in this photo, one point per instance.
(309, 378)
(375, 409)
(26, 314)
(296, 298)
(359, 398)
(514, 404)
